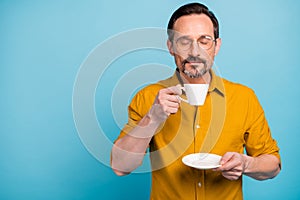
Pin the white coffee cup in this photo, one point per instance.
(195, 93)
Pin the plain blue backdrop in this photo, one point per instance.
(43, 44)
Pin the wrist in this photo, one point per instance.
(248, 164)
(156, 114)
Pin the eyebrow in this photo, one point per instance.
(183, 37)
(188, 38)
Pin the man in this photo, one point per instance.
(230, 121)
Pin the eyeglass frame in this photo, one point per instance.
(198, 42)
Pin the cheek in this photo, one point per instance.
(181, 54)
(210, 55)
(178, 60)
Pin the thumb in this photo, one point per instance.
(226, 157)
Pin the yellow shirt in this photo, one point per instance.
(231, 120)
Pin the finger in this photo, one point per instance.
(168, 100)
(166, 91)
(170, 107)
(172, 104)
(233, 165)
(230, 161)
(231, 177)
(174, 90)
(171, 110)
(230, 165)
(236, 174)
(232, 172)
(173, 98)
(227, 169)
(165, 98)
(171, 90)
(226, 157)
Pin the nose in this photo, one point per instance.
(195, 50)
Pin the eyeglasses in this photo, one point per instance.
(184, 43)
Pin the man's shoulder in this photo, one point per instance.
(152, 88)
(237, 88)
(148, 93)
(144, 98)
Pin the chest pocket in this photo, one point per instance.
(230, 141)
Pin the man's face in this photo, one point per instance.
(194, 46)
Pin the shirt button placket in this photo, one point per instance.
(199, 184)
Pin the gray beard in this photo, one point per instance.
(198, 72)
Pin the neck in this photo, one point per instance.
(205, 79)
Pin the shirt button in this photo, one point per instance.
(199, 184)
(197, 126)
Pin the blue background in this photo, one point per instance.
(42, 46)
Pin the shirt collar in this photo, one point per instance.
(216, 84)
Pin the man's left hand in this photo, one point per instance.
(233, 165)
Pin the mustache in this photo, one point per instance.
(194, 59)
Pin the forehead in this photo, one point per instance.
(194, 25)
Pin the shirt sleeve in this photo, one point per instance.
(139, 106)
(258, 138)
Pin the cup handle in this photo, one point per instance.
(182, 99)
(182, 88)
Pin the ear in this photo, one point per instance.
(218, 45)
(170, 47)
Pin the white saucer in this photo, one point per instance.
(202, 160)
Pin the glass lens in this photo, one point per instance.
(205, 42)
(184, 43)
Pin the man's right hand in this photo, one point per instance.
(166, 103)
(128, 152)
